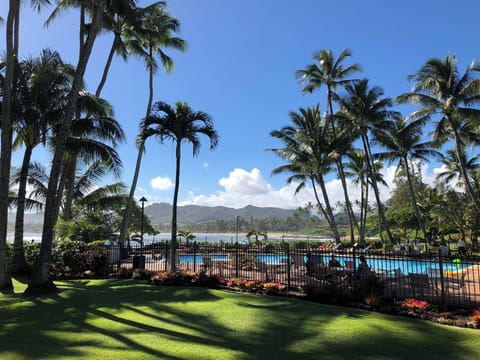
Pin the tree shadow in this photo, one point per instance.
(127, 317)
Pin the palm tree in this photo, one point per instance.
(159, 27)
(365, 108)
(178, 124)
(95, 134)
(330, 72)
(42, 85)
(40, 281)
(12, 44)
(402, 142)
(440, 89)
(256, 233)
(187, 235)
(311, 150)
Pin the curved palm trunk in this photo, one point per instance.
(414, 198)
(67, 185)
(141, 150)
(352, 221)
(173, 252)
(463, 168)
(371, 170)
(328, 209)
(13, 19)
(319, 203)
(106, 70)
(40, 281)
(363, 210)
(19, 264)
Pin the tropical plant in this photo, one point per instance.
(311, 150)
(403, 142)
(256, 233)
(178, 124)
(440, 89)
(40, 281)
(187, 235)
(330, 72)
(42, 84)
(159, 27)
(366, 109)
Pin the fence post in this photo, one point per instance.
(194, 256)
(442, 282)
(289, 263)
(236, 260)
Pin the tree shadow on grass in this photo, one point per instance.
(123, 317)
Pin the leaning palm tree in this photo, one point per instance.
(178, 124)
(330, 72)
(8, 92)
(403, 142)
(95, 135)
(311, 150)
(366, 109)
(42, 85)
(440, 89)
(157, 34)
(40, 281)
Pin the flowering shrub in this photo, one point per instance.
(415, 305)
(173, 278)
(475, 318)
(273, 288)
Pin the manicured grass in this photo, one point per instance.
(124, 319)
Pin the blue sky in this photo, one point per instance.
(239, 67)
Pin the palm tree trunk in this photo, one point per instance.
(328, 208)
(19, 264)
(319, 203)
(173, 252)
(352, 221)
(40, 281)
(141, 150)
(414, 198)
(6, 137)
(463, 168)
(106, 70)
(372, 172)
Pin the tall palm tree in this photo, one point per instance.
(330, 72)
(95, 134)
(178, 124)
(12, 45)
(403, 142)
(40, 281)
(366, 109)
(440, 89)
(159, 28)
(311, 150)
(42, 85)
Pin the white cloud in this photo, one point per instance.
(161, 183)
(242, 188)
(205, 165)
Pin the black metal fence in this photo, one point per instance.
(420, 274)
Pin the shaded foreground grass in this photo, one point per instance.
(124, 319)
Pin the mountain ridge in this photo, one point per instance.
(161, 213)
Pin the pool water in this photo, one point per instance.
(405, 265)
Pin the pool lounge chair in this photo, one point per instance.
(455, 283)
(420, 284)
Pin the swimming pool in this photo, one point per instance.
(190, 259)
(405, 265)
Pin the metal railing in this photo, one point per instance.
(447, 280)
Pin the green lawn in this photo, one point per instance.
(124, 319)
